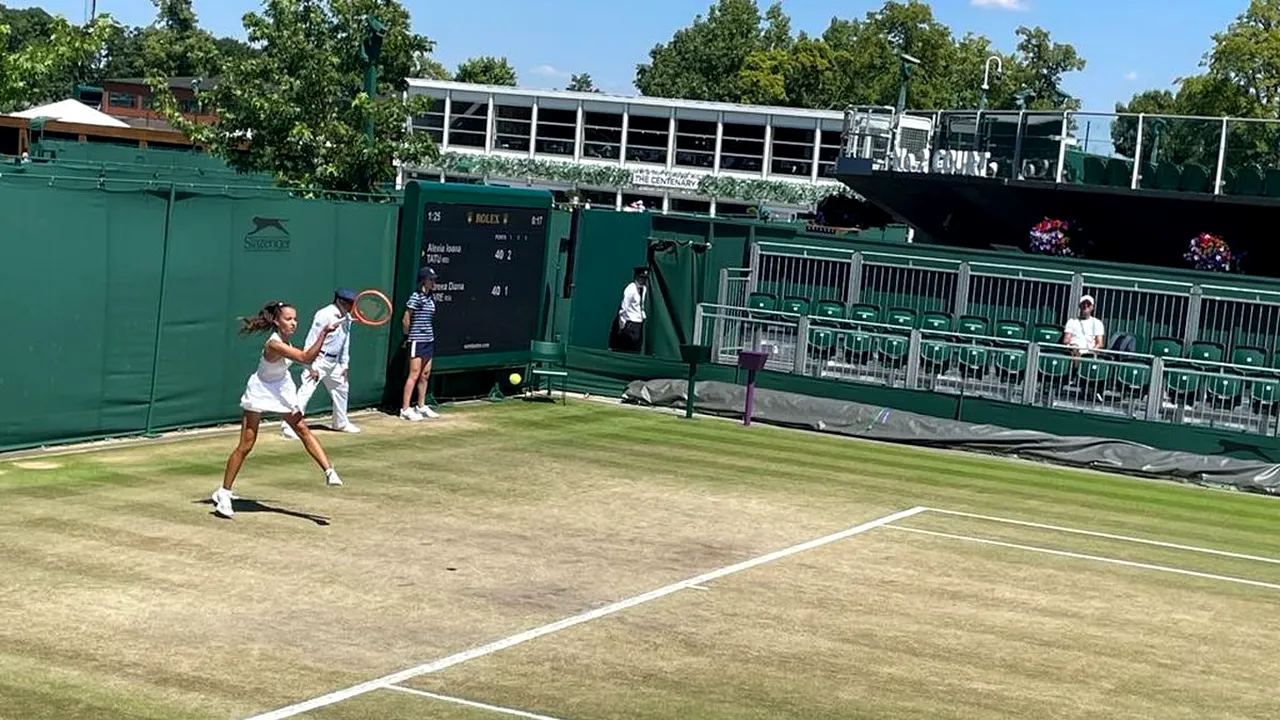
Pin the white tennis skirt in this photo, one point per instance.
(277, 397)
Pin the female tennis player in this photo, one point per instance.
(270, 389)
(419, 327)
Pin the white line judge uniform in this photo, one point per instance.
(330, 366)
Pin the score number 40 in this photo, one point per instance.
(500, 291)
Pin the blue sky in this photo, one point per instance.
(1129, 44)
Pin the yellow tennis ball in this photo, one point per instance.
(514, 378)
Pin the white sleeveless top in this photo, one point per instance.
(272, 371)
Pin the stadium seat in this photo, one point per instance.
(1248, 181)
(822, 340)
(1264, 392)
(1195, 178)
(864, 312)
(1049, 334)
(1095, 170)
(901, 317)
(829, 309)
(1011, 362)
(893, 349)
(1054, 368)
(935, 356)
(973, 325)
(762, 301)
(1168, 176)
(935, 322)
(795, 305)
(1224, 390)
(972, 360)
(1166, 347)
(1248, 356)
(1205, 351)
(1133, 379)
(1181, 383)
(1093, 372)
(859, 345)
(1011, 330)
(1119, 172)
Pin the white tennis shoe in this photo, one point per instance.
(287, 432)
(427, 412)
(222, 503)
(331, 478)
(410, 414)
(348, 428)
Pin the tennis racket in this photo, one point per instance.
(371, 307)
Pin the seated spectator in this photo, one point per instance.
(1084, 333)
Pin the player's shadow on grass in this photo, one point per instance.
(241, 505)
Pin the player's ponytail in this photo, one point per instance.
(265, 319)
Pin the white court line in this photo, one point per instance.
(523, 637)
(1096, 558)
(1109, 536)
(470, 703)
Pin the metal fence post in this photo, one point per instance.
(1137, 154)
(799, 363)
(1031, 376)
(1222, 159)
(855, 279)
(722, 299)
(164, 273)
(753, 276)
(697, 326)
(961, 301)
(1062, 146)
(1077, 292)
(913, 360)
(1155, 392)
(1195, 299)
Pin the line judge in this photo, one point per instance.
(331, 366)
(627, 333)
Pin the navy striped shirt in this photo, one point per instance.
(421, 325)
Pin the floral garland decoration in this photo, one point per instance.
(1049, 237)
(1209, 252)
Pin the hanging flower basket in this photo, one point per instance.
(1049, 237)
(1209, 252)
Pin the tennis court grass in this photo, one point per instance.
(123, 597)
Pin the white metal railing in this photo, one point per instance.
(1235, 396)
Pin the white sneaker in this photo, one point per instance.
(410, 414)
(427, 412)
(331, 478)
(287, 432)
(222, 503)
(348, 428)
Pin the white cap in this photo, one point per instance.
(1087, 299)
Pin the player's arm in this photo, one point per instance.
(1099, 340)
(305, 357)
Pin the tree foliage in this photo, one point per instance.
(40, 60)
(486, 70)
(297, 108)
(1240, 78)
(736, 53)
(581, 82)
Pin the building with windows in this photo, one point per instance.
(671, 155)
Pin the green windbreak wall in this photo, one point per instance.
(610, 244)
(122, 302)
(80, 281)
(226, 258)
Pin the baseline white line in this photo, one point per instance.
(527, 635)
(470, 703)
(1096, 558)
(1109, 536)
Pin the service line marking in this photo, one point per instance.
(523, 637)
(1109, 536)
(470, 703)
(1095, 558)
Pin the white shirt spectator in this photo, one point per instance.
(632, 309)
(337, 347)
(1083, 334)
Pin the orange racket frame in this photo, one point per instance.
(355, 308)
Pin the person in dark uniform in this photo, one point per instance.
(627, 334)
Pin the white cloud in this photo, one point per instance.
(1000, 4)
(548, 71)
(1131, 76)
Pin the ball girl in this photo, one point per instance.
(270, 389)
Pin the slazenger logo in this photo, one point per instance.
(268, 235)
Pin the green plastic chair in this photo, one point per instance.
(1224, 390)
(1168, 176)
(795, 305)
(892, 349)
(1249, 357)
(864, 312)
(1011, 362)
(1093, 372)
(935, 355)
(1206, 351)
(1054, 368)
(1264, 392)
(1132, 378)
(859, 345)
(1181, 383)
(762, 301)
(1166, 347)
(1049, 334)
(901, 317)
(935, 322)
(1011, 330)
(822, 340)
(973, 325)
(1119, 173)
(1095, 170)
(829, 309)
(1249, 181)
(547, 364)
(972, 359)
(1195, 178)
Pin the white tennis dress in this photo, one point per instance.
(270, 388)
